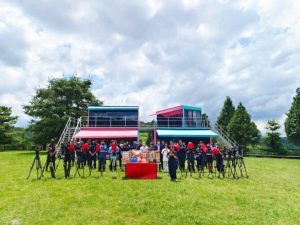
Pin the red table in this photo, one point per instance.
(141, 170)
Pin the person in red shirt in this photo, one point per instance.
(98, 147)
(190, 158)
(219, 161)
(176, 147)
(72, 152)
(85, 151)
(203, 147)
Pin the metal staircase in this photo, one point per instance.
(224, 136)
(71, 129)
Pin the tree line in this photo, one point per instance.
(238, 124)
(62, 98)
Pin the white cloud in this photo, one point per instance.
(155, 54)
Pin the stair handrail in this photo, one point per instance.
(225, 135)
(77, 128)
(63, 134)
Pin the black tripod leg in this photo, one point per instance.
(57, 165)
(42, 173)
(243, 163)
(31, 168)
(77, 170)
(40, 166)
(52, 169)
(235, 175)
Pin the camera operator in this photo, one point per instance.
(219, 161)
(191, 157)
(79, 154)
(72, 152)
(67, 160)
(197, 157)
(85, 152)
(181, 154)
(92, 155)
(51, 157)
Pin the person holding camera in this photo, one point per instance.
(181, 155)
(51, 152)
(72, 152)
(219, 161)
(79, 155)
(85, 152)
(92, 155)
(67, 161)
(197, 155)
(51, 157)
(191, 157)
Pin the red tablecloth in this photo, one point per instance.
(141, 170)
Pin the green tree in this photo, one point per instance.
(226, 113)
(7, 122)
(205, 120)
(53, 105)
(292, 122)
(22, 137)
(241, 128)
(272, 140)
(255, 135)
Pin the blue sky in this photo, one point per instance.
(155, 54)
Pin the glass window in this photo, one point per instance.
(113, 118)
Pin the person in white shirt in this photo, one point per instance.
(165, 153)
(144, 147)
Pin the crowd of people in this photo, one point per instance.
(188, 158)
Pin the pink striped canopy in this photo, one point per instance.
(107, 133)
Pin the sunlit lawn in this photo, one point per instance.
(270, 196)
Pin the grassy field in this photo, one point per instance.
(270, 196)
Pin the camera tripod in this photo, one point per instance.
(242, 166)
(38, 165)
(230, 167)
(78, 168)
(67, 168)
(50, 161)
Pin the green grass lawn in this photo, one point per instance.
(270, 196)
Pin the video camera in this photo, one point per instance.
(37, 150)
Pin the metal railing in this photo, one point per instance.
(131, 121)
(77, 128)
(109, 121)
(225, 136)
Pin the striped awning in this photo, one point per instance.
(108, 133)
(185, 133)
